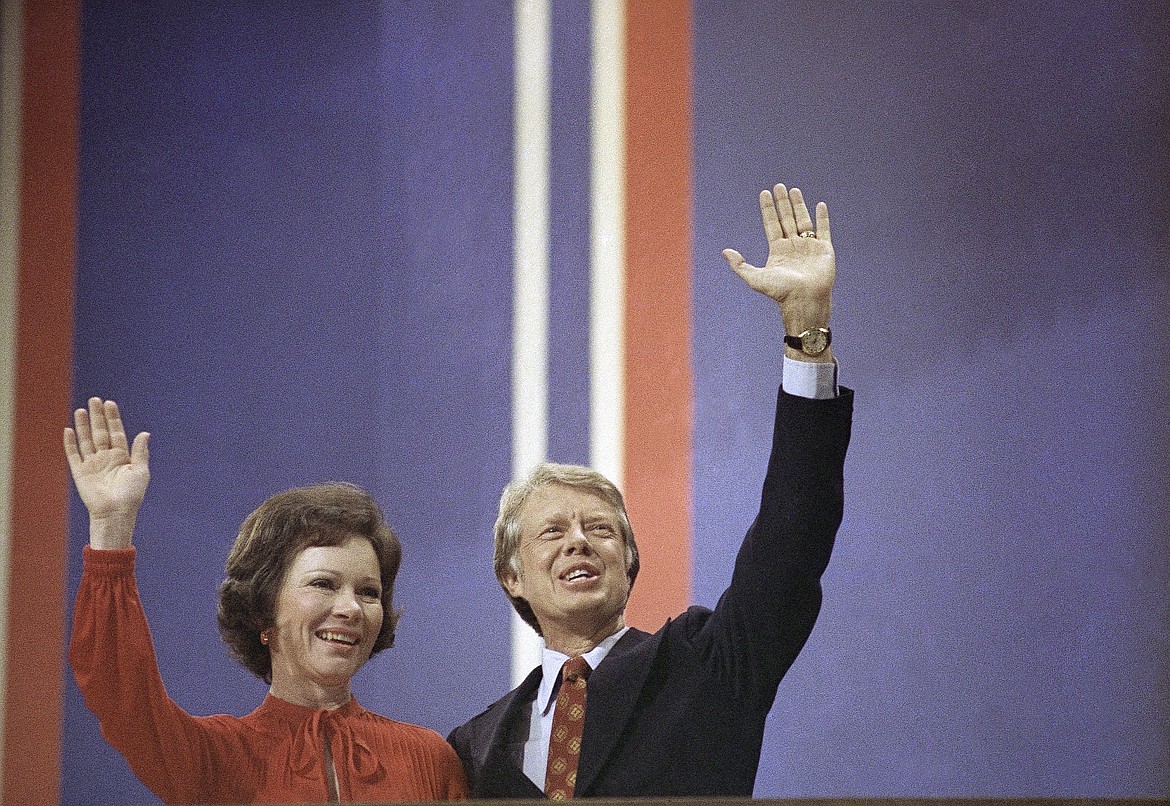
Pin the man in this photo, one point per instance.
(680, 712)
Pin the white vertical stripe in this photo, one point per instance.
(530, 268)
(12, 28)
(607, 242)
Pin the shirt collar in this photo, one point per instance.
(552, 661)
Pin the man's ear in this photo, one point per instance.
(513, 585)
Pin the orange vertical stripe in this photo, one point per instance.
(44, 342)
(659, 381)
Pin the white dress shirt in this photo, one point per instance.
(545, 704)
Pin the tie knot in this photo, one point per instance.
(575, 668)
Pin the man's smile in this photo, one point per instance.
(578, 572)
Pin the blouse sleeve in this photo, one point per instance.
(115, 667)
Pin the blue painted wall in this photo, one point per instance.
(295, 266)
(295, 258)
(996, 617)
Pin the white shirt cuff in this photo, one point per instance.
(807, 379)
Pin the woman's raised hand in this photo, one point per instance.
(111, 476)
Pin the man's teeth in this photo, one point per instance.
(579, 574)
(336, 636)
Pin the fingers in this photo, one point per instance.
(95, 429)
(800, 211)
(84, 435)
(99, 431)
(140, 451)
(746, 271)
(823, 222)
(114, 427)
(772, 227)
(786, 213)
(737, 263)
(72, 453)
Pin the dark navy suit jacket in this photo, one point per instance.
(681, 712)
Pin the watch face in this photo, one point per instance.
(815, 342)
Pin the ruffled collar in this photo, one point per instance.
(282, 711)
(310, 728)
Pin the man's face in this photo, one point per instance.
(572, 564)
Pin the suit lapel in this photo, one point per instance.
(502, 763)
(614, 689)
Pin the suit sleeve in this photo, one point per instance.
(767, 613)
(458, 740)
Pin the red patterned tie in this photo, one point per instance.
(564, 745)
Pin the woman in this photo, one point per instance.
(307, 601)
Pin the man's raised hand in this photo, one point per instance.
(801, 266)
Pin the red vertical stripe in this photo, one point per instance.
(44, 340)
(659, 386)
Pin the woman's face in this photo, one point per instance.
(328, 615)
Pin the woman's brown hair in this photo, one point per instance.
(269, 541)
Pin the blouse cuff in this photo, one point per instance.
(111, 561)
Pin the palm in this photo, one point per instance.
(111, 476)
(109, 482)
(804, 265)
(801, 266)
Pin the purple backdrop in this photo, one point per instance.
(295, 265)
(295, 259)
(996, 613)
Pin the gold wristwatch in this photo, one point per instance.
(811, 342)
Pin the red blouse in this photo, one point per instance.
(273, 755)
